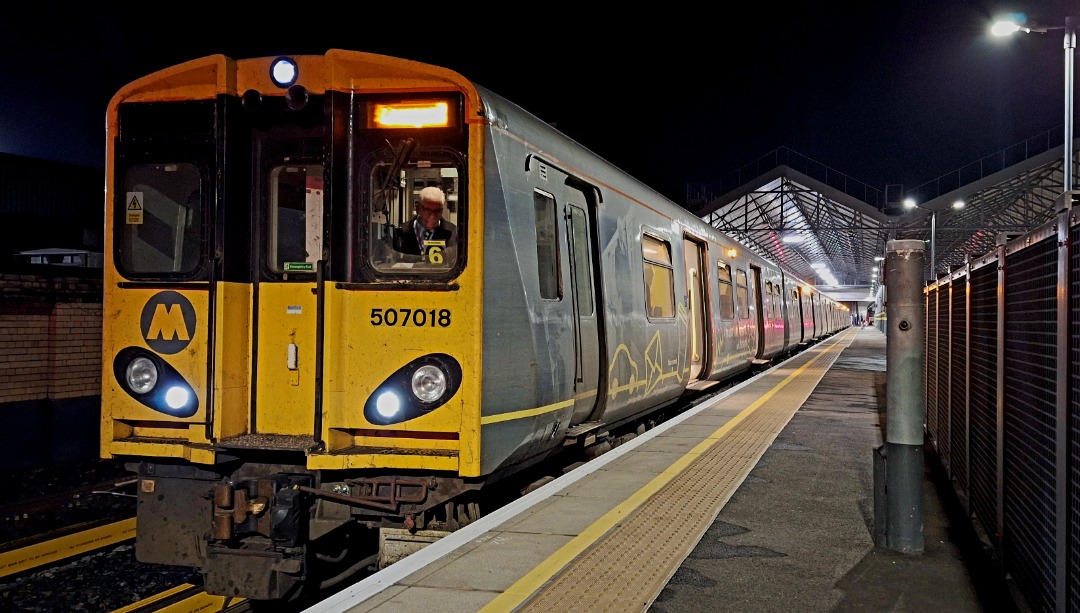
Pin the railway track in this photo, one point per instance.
(48, 529)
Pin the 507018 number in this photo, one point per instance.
(419, 318)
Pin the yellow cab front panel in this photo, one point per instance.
(274, 275)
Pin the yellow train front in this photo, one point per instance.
(269, 334)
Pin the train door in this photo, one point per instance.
(746, 313)
(579, 225)
(697, 313)
(786, 310)
(286, 298)
(763, 300)
(806, 305)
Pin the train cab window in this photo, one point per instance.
(659, 277)
(725, 293)
(159, 225)
(407, 236)
(547, 247)
(742, 293)
(295, 227)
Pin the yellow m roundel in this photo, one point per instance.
(168, 322)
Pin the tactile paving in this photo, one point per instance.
(629, 567)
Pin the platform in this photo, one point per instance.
(760, 499)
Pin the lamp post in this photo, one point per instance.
(909, 203)
(1004, 28)
(1070, 54)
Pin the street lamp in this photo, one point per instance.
(909, 203)
(1006, 27)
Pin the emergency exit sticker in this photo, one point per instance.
(134, 207)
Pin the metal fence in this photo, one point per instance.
(1002, 391)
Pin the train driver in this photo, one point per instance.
(428, 234)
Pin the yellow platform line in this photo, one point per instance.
(196, 603)
(555, 596)
(54, 550)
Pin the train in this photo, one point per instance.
(293, 386)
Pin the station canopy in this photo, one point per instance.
(830, 229)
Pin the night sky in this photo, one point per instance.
(885, 92)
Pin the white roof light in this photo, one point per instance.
(284, 72)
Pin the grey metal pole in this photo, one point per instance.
(933, 245)
(1070, 54)
(905, 403)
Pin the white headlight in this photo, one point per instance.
(177, 397)
(388, 404)
(428, 383)
(142, 375)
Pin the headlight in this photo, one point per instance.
(155, 383)
(388, 405)
(428, 383)
(283, 72)
(415, 389)
(177, 397)
(142, 375)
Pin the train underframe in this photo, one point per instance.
(267, 530)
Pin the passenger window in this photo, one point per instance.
(742, 294)
(727, 297)
(547, 247)
(659, 277)
(767, 296)
(581, 268)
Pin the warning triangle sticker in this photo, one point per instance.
(134, 204)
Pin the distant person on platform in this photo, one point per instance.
(428, 234)
(870, 315)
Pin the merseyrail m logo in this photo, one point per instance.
(168, 322)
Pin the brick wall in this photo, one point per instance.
(50, 335)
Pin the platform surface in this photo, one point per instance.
(760, 499)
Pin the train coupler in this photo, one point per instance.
(270, 507)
